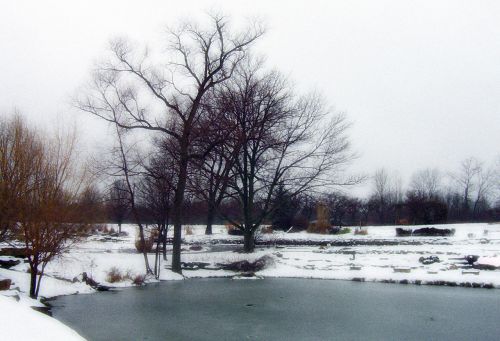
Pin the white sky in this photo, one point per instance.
(419, 79)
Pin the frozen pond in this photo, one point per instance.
(283, 309)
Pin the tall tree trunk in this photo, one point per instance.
(33, 283)
(210, 218)
(177, 214)
(143, 242)
(249, 243)
(119, 228)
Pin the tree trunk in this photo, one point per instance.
(177, 214)
(119, 228)
(249, 243)
(33, 283)
(164, 240)
(210, 219)
(143, 242)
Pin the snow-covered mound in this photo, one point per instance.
(20, 322)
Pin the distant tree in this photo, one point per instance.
(464, 180)
(426, 183)
(92, 204)
(285, 209)
(426, 210)
(386, 195)
(119, 202)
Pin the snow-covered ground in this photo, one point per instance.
(377, 256)
(20, 322)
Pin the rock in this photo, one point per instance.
(13, 252)
(235, 232)
(7, 264)
(401, 232)
(424, 232)
(247, 274)
(334, 230)
(194, 265)
(358, 279)
(196, 248)
(246, 266)
(432, 231)
(471, 259)
(486, 263)
(5, 284)
(429, 260)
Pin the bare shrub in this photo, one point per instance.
(148, 244)
(114, 275)
(361, 232)
(188, 230)
(344, 230)
(139, 280)
(266, 230)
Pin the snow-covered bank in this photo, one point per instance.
(381, 257)
(20, 322)
(378, 256)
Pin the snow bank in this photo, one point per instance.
(20, 322)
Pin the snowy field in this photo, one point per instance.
(379, 256)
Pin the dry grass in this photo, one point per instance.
(361, 232)
(147, 246)
(139, 280)
(114, 275)
(318, 227)
(188, 230)
(266, 230)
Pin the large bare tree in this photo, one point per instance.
(284, 139)
(164, 93)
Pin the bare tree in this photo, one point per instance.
(464, 180)
(164, 95)
(47, 199)
(381, 194)
(211, 174)
(426, 183)
(484, 186)
(156, 191)
(283, 139)
(16, 143)
(119, 202)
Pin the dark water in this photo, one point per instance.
(283, 309)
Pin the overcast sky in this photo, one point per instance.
(420, 80)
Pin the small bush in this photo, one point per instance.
(300, 222)
(148, 245)
(114, 275)
(139, 280)
(318, 227)
(344, 230)
(188, 230)
(361, 232)
(266, 229)
(112, 231)
(105, 229)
